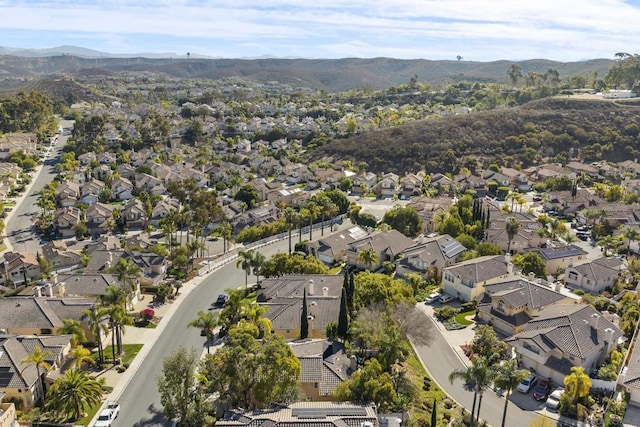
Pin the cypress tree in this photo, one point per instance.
(434, 415)
(304, 321)
(488, 218)
(343, 318)
(351, 290)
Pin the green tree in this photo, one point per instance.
(97, 326)
(245, 261)
(369, 384)
(531, 262)
(304, 321)
(487, 345)
(73, 328)
(73, 394)
(512, 225)
(252, 373)
(38, 358)
(371, 288)
(577, 384)
(478, 374)
(405, 220)
(207, 322)
(631, 234)
(488, 248)
(514, 73)
(80, 356)
(248, 195)
(179, 394)
(282, 264)
(507, 376)
(368, 257)
(343, 317)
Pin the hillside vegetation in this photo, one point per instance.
(553, 128)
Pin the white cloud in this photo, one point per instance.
(555, 29)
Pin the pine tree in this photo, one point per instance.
(434, 414)
(343, 318)
(304, 320)
(351, 290)
(488, 218)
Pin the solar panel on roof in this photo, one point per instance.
(348, 411)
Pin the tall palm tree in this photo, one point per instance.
(81, 356)
(479, 375)
(631, 234)
(368, 257)
(127, 272)
(225, 230)
(507, 376)
(511, 226)
(95, 318)
(290, 218)
(245, 261)
(313, 209)
(73, 328)
(257, 263)
(206, 322)
(73, 394)
(607, 243)
(39, 359)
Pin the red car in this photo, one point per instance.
(542, 390)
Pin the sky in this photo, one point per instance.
(477, 30)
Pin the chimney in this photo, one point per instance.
(354, 363)
(509, 268)
(594, 320)
(311, 290)
(49, 290)
(61, 289)
(110, 257)
(325, 291)
(507, 258)
(310, 319)
(37, 291)
(54, 278)
(559, 286)
(531, 276)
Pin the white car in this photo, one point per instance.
(444, 298)
(107, 415)
(432, 298)
(553, 401)
(527, 384)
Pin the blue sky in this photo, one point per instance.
(478, 30)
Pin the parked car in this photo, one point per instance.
(222, 300)
(553, 401)
(108, 414)
(527, 384)
(444, 298)
(432, 298)
(542, 390)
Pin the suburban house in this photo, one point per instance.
(134, 214)
(8, 414)
(525, 239)
(162, 209)
(466, 280)
(563, 336)
(410, 185)
(630, 377)
(100, 218)
(153, 268)
(596, 275)
(508, 305)
(19, 267)
(121, 189)
(20, 381)
(42, 313)
(430, 256)
(282, 297)
(333, 248)
(304, 414)
(65, 221)
(91, 285)
(67, 194)
(557, 258)
(363, 183)
(90, 191)
(387, 245)
(324, 365)
(387, 186)
(60, 257)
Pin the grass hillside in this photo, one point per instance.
(517, 137)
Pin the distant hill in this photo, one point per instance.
(84, 53)
(330, 74)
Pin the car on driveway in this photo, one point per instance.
(553, 401)
(542, 390)
(444, 298)
(527, 384)
(432, 298)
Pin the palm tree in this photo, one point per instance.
(313, 209)
(81, 356)
(557, 227)
(479, 375)
(127, 272)
(607, 242)
(257, 263)
(72, 327)
(290, 218)
(225, 230)
(511, 226)
(245, 261)
(39, 359)
(206, 322)
(507, 376)
(72, 395)
(95, 317)
(631, 234)
(368, 257)
(577, 384)
(541, 232)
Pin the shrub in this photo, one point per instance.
(445, 313)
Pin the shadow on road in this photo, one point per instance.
(156, 418)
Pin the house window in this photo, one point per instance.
(500, 306)
(573, 275)
(315, 385)
(532, 348)
(45, 331)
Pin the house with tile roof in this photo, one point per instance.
(20, 381)
(508, 305)
(466, 280)
(282, 297)
(387, 245)
(429, 256)
(333, 248)
(19, 267)
(559, 257)
(304, 414)
(563, 336)
(630, 376)
(61, 258)
(596, 275)
(324, 365)
(65, 221)
(8, 414)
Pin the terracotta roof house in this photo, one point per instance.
(596, 275)
(429, 256)
(122, 188)
(304, 414)
(563, 336)
(100, 218)
(19, 267)
(466, 280)
(283, 297)
(387, 245)
(67, 194)
(324, 365)
(387, 186)
(508, 305)
(560, 257)
(134, 214)
(162, 209)
(65, 221)
(333, 248)
(90, 191)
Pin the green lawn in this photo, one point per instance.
(90, 414)
(461, 318)
(130, 352)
